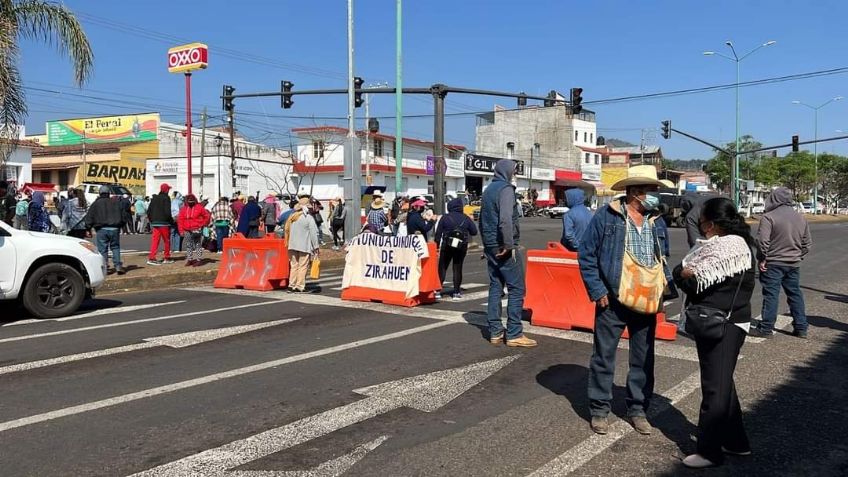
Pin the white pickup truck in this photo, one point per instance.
(50, 274)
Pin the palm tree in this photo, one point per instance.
(47, 22)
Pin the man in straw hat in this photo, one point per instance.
(622, 261)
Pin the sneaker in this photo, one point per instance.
(641, 424)
(336, 248)
(599, 425)
(733, 452)
(220, 252)
(167, 261)
(154, 262)
(696, 461)
(120, 271)
(800, 334)
(189, 263)
(521, 342)
(457, 296)
(198, 263)
(497, 339)
(438, 295)
(759, 333)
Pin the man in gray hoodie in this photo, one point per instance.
(784, 239)
(500, 234)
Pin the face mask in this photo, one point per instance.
(651, 202)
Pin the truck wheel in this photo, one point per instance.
(53, 290)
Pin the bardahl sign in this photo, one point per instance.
(478, 163)
(186, 58)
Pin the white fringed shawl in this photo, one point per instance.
(717, 258)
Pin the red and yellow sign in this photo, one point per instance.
(186, 58)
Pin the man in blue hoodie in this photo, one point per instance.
(575, 221)
(499, 231)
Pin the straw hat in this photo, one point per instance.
(667, 183)
(638, 175)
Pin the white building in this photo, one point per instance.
(259, 169)
(18, 167)
(586, 138)
(320, 163)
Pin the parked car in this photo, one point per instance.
(50, 274)
(92, 190)
(557, 211)
(758, 208)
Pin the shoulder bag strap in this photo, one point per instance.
(733, 303)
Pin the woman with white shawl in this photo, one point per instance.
(718, 273)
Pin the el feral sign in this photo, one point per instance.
(479, 163)
(187, 58)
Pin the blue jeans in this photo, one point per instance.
(509, 273)
(609, 325)
(109, 239)
(221, 232)
(176, 240)
(789, 278)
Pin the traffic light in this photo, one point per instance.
(286, 97)
(227, 101)
(795, 143)
(576, 100)
(357, 95)
(666, 129)
(549, 99)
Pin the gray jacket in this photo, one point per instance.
(783, 235)
(303, 235)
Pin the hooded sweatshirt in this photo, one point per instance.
(39, 219)
(783, 235)
(455, 220)
(499, 211)
(575, 221)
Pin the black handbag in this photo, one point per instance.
(708, 323)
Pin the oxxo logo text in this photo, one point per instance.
(187, 57)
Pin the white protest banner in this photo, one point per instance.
(385, 262)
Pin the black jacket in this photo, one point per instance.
(105, 212)
(159, 210)
(415, 223)
(720, 295)
(453, 220)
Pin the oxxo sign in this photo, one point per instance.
(185, 58)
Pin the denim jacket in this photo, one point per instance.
(602, 250)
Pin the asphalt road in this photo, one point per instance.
(299, 388)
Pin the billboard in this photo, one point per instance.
(134, 127)
(127, 172)
(187, 58)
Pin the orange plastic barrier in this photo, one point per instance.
(557, 298)
(427, 286)
(253, 264)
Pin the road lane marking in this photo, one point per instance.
(662, 348)
(425, 392)
(180, 340)
(125, 398)
(574, 458)
(133, 322)
(105, 311)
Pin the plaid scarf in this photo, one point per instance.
(718, 258)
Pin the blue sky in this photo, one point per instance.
(609, 48)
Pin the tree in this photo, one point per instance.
(718, 167)
(50, 23)
(833, 180)
(797, 173)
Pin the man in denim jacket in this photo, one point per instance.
(600, 256)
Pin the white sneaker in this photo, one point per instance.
(438, 295)
(696, 461)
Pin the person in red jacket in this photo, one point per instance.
(190, 222)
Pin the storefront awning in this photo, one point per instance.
(573, 183)
(47, 188)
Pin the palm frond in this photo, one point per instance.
(12, 102)
(55, 25)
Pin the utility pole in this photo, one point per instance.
(368, 180)
(232, 128)
(530, 177)
(188, 128)
(439, 92)
(352, 158)
(202, 146)
(399, 100)
(84, 159)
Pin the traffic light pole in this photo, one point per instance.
(439, 94)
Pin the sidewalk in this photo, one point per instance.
(141, 276)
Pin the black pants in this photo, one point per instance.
(457, 256)
(720, 422)
(337, 226)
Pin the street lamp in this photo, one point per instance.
(816, 144)
(218, 141)
(734, 160)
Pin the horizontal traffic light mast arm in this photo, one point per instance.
(717, 148)
(800, 143)
(390, 90)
